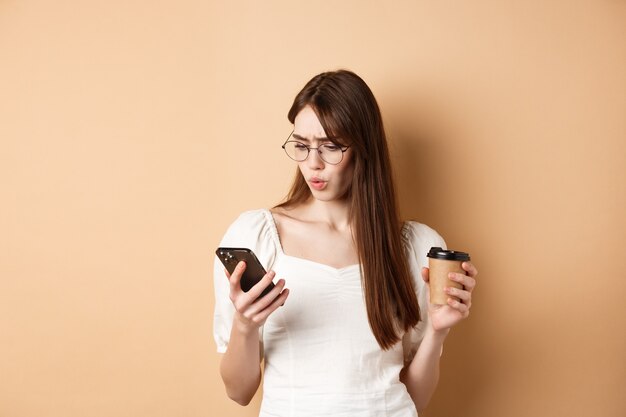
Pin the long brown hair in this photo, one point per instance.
(347, 109)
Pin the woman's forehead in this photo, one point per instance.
(308, 126)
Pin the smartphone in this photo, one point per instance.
(230, 257)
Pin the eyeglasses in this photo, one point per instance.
(329, 152)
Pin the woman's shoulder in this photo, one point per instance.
(286, 215)
(250, 225)
(253, 229)
(252, 217)
(420, 235)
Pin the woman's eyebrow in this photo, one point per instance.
(295, 135)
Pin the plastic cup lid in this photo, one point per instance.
(449, 255)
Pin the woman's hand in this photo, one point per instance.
(443, 317)
(252, 311)
(240, 367)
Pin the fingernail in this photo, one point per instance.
(241, 264)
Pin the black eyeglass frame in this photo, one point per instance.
(343, 150)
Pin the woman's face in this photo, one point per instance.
(327, 182)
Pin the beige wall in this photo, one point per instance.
(133, 132)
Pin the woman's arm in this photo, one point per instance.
(422, 374)
(240, 367)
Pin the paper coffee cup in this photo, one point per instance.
(440, 263)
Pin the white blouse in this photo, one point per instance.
(321, 358)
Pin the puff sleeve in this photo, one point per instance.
(252, 229)
(418, 239)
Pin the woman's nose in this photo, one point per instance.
(314, 160)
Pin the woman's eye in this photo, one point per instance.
(332, 148)
(299, 146)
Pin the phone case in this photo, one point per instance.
(230, 257)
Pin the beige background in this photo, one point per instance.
(133, 132)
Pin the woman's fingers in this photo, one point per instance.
(461, 298)
(459, 306)
(258, 288)
(262, 303)
(425, 275)
(250, 304)
(470, 268)
(464, 297)
(466, 281)
(278, 301)
(235, 278)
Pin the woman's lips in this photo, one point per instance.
(317, 183)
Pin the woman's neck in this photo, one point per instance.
(335, 213)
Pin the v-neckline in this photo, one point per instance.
(279, 247)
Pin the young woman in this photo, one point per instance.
(354, 334)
